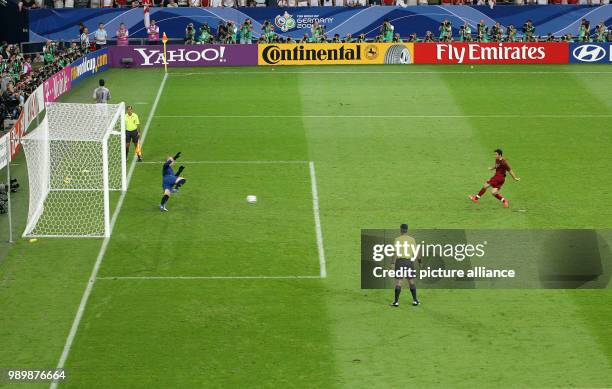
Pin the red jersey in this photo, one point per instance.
(501, 167)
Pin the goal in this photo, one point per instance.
(75, 158)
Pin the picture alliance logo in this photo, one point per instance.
(211, 54)
(589, 53)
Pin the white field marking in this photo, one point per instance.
(227, 162)
(472, 72)
(492, 116)
(96, 268)
(208, 277)
(317, 218)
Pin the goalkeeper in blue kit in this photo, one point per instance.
(171, 181)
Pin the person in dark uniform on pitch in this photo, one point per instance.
(405, 264)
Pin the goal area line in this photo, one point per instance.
(222, 162)
(209, 278)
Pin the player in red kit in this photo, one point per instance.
(497, 181)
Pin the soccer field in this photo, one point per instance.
(221, 293)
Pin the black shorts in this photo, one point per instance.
(131, 136)
(403, 264)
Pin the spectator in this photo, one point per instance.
(100, 36)
(84, 39)
(81, 28)
(153, 33)
(27, 66)
(19, 78)
(172, 4)
(122, 35)
(49, 52)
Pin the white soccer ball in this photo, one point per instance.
(251, 199)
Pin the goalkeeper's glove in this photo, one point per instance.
(177, 156)
(180, 170)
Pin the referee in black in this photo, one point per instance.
(405, 264)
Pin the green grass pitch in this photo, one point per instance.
(389, 144)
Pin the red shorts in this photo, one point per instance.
(496, 181)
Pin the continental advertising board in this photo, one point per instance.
(335, 53)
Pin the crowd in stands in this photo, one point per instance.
(21, 74)
(32, 4)
(230, 32)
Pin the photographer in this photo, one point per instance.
(246, 32)
(482, 32)
(529, 31)
(584, 31)
(204, 36)
(600, 32)
(445, 31)
(465, 33)
(189, 34)
(386, 30)
(511, 33)
(496, 32)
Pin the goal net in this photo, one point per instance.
(75, 157)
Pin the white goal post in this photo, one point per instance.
(75, 157)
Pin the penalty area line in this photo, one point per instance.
(317, 219)
(483, 116)
(94, 272)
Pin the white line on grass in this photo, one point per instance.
(96, 268)
(492, 116)
(207, 277)
(317, 218)
(229, 162)
(407, 72)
